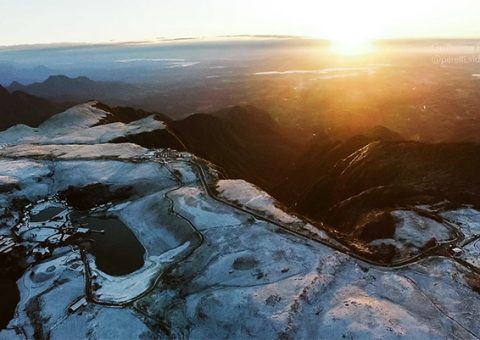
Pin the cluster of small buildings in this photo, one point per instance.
(7, 244)
(44, 249)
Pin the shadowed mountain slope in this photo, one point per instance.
(22, 108)
(245, 141)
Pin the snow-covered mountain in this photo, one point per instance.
(186, 254)
(81, 124)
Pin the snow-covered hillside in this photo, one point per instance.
(211, 269)
(81, 124)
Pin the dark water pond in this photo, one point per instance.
(117, 252)
(9, 297)
(46, 214)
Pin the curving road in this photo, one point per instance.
(441, 250)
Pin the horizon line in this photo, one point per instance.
(166, 40)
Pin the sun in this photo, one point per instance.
(352, 39)
(352, 45)
(351, 32)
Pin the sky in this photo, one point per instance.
(54, 21)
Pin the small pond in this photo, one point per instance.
(46, 214)
(117, 251)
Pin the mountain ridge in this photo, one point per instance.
(354, 187)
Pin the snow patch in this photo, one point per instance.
(249, 196)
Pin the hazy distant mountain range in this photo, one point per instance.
(62, 88)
